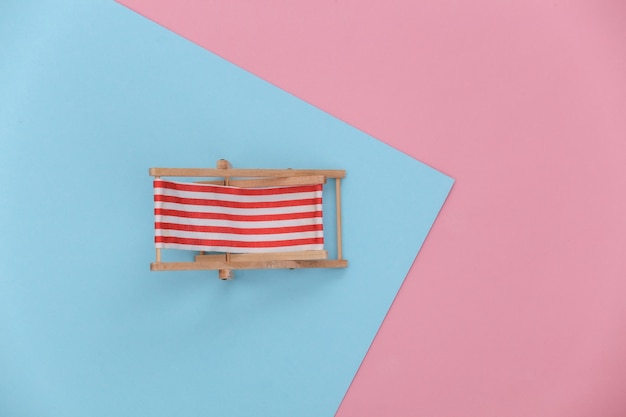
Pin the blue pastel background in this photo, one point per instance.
(92, 95)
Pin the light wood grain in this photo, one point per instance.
(272, 182)
(225, 274)
(234, 172)
(338, 210)
(277, 256)
(224, 165)
(198, 266)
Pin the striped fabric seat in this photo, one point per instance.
(216, 218)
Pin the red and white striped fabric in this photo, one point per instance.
(216, 218)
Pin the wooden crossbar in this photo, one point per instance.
(272, 182)
(233, 265)
(235, 172)
(276, 256)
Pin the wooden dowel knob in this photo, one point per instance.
(225, 274)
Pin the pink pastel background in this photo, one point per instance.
(515, 305)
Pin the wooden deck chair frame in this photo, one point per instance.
(225, 263)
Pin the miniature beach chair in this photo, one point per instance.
(244, 218)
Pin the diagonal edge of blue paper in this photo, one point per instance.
(94, 96)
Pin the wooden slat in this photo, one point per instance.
(338, 209)
(272, 182)
(199, 266)
(214, 172)
(278, 256)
